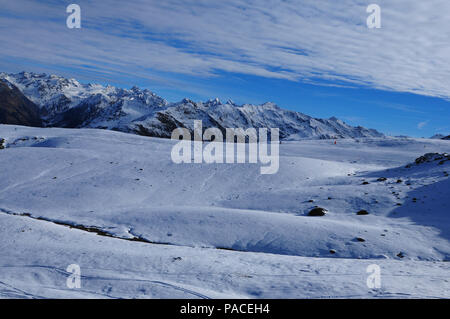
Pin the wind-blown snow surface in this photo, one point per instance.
(219, 230)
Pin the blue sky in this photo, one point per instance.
(313, 56)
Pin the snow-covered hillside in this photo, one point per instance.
(141, 226)
(68, 103)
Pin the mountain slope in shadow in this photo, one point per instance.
(15, 108)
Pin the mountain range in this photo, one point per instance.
(440, 137)
(53, 101)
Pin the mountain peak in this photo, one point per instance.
(438, 136)
(68, 103)
(213, 102)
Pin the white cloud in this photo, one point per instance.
(307, 40)
(421, 125)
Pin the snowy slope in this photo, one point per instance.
(68, 103)
(126, 187)
(113, 268)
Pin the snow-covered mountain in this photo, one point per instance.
(69, 103)
(440, 137)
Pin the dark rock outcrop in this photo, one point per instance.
(317, 211)
(432, 157)
(15, 108)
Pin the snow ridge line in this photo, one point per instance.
(89, 229)
(101, 232)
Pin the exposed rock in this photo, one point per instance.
(431, 157)
(318, 211)
(362, 212)
(15, 108)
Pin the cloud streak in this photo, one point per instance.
(325, 42)
(421, 125)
